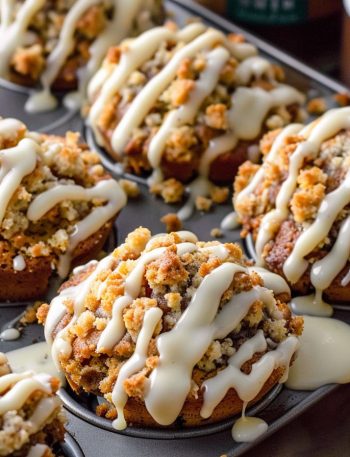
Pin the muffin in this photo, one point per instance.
(57, 207)
(171, 331)
(31, 415)
(186, 103)
(61, 43)
(296, 205)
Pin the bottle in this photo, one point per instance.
(307, 29)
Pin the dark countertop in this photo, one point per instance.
(323, 430)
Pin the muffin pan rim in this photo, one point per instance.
(71, 447)
(79, 410)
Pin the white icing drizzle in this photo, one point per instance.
(164, 398)
(16, 388)
(204, 86)
(108, 190)
(247, 429)
(345, 281)
(251, 105)
(115, 328)
(10, 334)
(38, 450)
(19, 161)
(312, 304)
(43, 411)
(19, 264)
(135, 364)
(230, 222)
(13, 36)
(16, 163)
(330, 207)
(325, 270)
(138, 51)
(14, 32)
(248, 386)
(323, 356)
(61, 344)
(255, 66)
(65, 44)
(6, 13)
(270, 158)
(199, 187)
(141, 105)
(272, 281)
(217, 146)
(117, 29)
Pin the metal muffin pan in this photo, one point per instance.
(69, 448)
(92, 433)
(84, 406)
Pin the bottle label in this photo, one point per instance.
(274, 12)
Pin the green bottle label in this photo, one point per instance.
(274, 12)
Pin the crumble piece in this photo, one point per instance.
(131, 188)
(216, 232)
(317, 106)
(171, 190)
(172, 222)
(203, 203)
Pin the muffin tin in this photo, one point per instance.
(95, 435)
(69, 448)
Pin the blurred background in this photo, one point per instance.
(315, 31)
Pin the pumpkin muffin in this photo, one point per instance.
(296, 205)
(188, 102)
(172, 331)
(57, 207)
(61, 43)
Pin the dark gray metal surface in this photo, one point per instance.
(70, 448)
(147, 210)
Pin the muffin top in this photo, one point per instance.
(296, 204)
(49, 41)
(54, 194)
(166, 317)
(184, 96)
(28, 403)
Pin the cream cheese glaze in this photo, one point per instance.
(323, 356)
(249, 106)
(38, 450)
(36, 358)
(14, 27)
(323, 271)
(181, 348)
